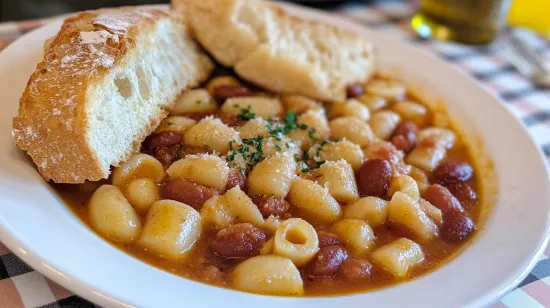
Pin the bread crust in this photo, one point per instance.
(269, 47)
(52, 123)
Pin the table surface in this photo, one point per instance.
(21, 286)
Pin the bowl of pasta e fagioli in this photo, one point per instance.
(394, 196)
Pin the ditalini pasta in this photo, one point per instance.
(195, 101)
(207, 170)
(297, 240)
(398, 257)
(281, 194)
(264, 107)
(343, 149)
(211, 135)
(314, 201)
(138, 166)
(338, 177)
(113, 216)
(171, 229)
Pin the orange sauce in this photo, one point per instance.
(437, 252)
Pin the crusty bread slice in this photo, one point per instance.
(107, 80)
(269, 47)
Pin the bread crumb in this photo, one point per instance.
(30, 132)
(69, 124)
(70, 102)
(94, 37)
(66, 60)
(114, 23)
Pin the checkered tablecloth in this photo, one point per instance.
(21, 286)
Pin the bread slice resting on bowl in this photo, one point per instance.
(107, 80)
(110, 76)
(267, 46)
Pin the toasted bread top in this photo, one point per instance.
(52, 124)
(268, 46)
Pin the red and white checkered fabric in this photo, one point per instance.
(21, 286)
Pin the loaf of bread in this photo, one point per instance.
(107, 80)
(269, 47)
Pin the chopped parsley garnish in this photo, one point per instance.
(231, 157)
(246, 114)
(319, 163)
(289, 123)
(257, 143)
(309, 168)
(179, 152)
(310, 133)
(320, 147)
(305, 156)
(251, 150)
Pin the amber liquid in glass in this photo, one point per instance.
(474, 22)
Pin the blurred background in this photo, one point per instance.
(532, 14)
(30, 9)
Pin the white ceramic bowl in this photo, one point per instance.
(46, 235)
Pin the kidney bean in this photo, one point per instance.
(387, 151)
(456, 227)
(168, 155)
(374, 177)
(185, 191)
(223, 92)
(453, 172)
(236, 178)
(463, 192)
(354, 90)
(327, 261)
(271, 205)
(163, 139)
(238, 241)
(404, 137)
(355, 268)
(408, 128)
(328, 239)
(442, 198)
(401, 143)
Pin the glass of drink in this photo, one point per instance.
(475, 22)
